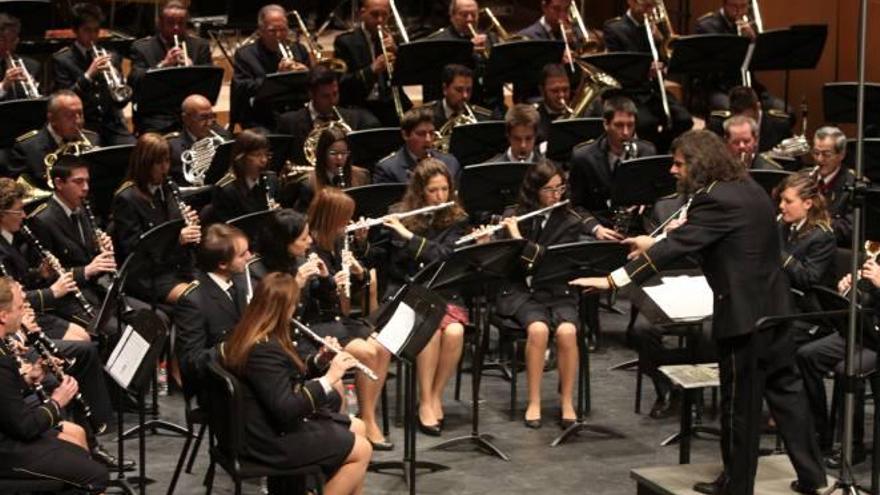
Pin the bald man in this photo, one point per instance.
(198, 120)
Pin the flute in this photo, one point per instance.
(372, 222)
(303, 329)
(57, 268)
(495, 228)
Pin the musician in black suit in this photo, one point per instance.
(835, 180)
(731, 224)
(161, 50)
(321, 109)
(199, 122)
(773, 125)
(458, 85)
(212, 304)
(521, 128)
(593, 165)
(144, 201)
(417, 128)
(366, 83)
(555, 90)
(257, 59)
(11, 87)
(35, 441)
(64, 116)
(249, 188)
(77, 68)
(741, 136)
(289, 398)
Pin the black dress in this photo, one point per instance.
(288, 417)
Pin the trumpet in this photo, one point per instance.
(372, 222)
(335, 64)
(29, 86)
(184, 56)
(119, 90)
(285, 51)
(301, 329)
(495, 228)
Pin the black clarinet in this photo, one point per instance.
(8, 346)
(97, 233)
(39, 345)
(53, 262)
(178, 201)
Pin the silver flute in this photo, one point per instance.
(495, 228)
(304, 330)
(372, 222)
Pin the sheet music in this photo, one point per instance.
(683, 298)
(690, 376)
(396, 332)
(127, 356)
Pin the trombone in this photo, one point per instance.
(503, 35)
(335, 64)
(389, 69)
(119, 90)
(658, 15)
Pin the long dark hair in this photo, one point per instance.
(414, 198)
(328, 138)
(707, 160)
(537, 176)
(280, 229)
(247, 141)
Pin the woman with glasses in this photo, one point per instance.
(544, 309)
(333, 167)
(249, 187)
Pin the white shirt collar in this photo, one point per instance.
(6, 235)
(830, 177)
(223, 284)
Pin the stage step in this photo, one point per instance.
(775, 474)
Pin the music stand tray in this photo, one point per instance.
(791, 48)
(281, 146)
(34, 15)
(251, 223)
(565, 134)
(872, 157)
(707, 53)
(20, 116)
(164, 89)
(108, 166)
(521, 62)
(220, 163)
(371, 145)
(372, 201)
(283, 89)
(478, 142)
(769, 179)
(629, 68)
(421, 62)
(491, 187)
(642, 181)
(840, 101)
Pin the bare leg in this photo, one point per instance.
(349, 479)
(536, 346)
(375, 357)
(566, 346)
(450, 353)
(76, 332)
(73, 433)
(427, 369)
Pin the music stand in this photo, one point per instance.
(406, 341)
(872, 157)
(565, 262)
(478, 142)
(108, 166)
(421, 62)
(251, 223)
(283, 90)
(707, 53)
(220, 163)
(769, 179)
(20, 116)
(371, 145)
(33, 14)
(164, 89)
(629, 68)
(280, 146)
(642, 180)
(521, 62)
(489, 188)
(472, 271)
(839, 102)
(373, 200)
(565, 134)
(788, 49)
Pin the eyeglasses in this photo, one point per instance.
(553, 190)
(823, 153)
(338, 154)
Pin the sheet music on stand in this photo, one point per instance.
(690, 376)
(683, 298)
(127, 356)
(397, 332)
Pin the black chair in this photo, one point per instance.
(8, 485)
(193, 416)
(228, 430)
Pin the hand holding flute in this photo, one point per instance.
(344, 359)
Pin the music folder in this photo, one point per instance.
(283, 89)
(478, 142)
(20, 116)
(707, 53)
(368, 146)
(133, 359)
(521, 62)
(642, 181)
(164, 89)
(564, 134)
(409, 321)
(674, 297)
(421, 62)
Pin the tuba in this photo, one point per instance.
(310, 145)
(444, 135)
(795, 146)
(197, 160)
(594, 82)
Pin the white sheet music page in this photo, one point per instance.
(683, 298)
(396, 332)
(127, 356)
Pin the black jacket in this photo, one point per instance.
(622, 34)
(440, 118)
(69, 66)
(775, 126)
(19, 422)
(298, 123)
(398, 167)
(839, 206)
(22, 269)
(732, 225)
(231, 198)
(58, 233)
(353, 47)
(808, 257)
(30, 150)
(253, 62)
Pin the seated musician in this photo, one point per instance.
(555, 90)
(171, 46)
(11, 86)
(77, 68)
(145, 201)
(521, 128)
(212, 304)
(741, 137)
(366, 84)
(271, 52)
(35, 441)
(289, 398)
(412, 243)
(627, 34)
(199, 122)
(249, 187)
(773, 125)
(549, 309)
(458, 86)
(835, 180)
(321, 110)
(417, 128)
(64, 117)
(593, 165)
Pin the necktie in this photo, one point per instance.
(231, 291)
(75, 218)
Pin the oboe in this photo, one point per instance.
(495, 228)
(7, 346)
(58, 371)
(53, 262)
(304, 330)
(372, 222)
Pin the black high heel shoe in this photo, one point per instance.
(430, 430)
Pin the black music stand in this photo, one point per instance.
(489, 188)
(371, 145)
(280, 146)
(421, 62)
(478, 142)
(707, 53)
(769, 179)
(220, 163)
(164, 89)
(872, 157)
(473, 271)
(559, 265)
(20, 116)
(34, 15)
(373, 200)
(788, 49)
(251, 223)
(642, 180)
(521, 62)
(108, 166)
(283, 90)
(629, 68)
(428, 309)
(565, 134)
(839, 102)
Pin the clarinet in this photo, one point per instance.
(178, 201)
(270, 201)
(98, 234)
(53, 262)
(59, 373)
(8, 346)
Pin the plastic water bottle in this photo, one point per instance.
(351, 400)
(163, 378)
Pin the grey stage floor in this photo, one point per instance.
(589, 464)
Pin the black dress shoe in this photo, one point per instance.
(533, 423)
(430, 430)
(834, 460)
(383, 446)
(106, 458)
(796, 486)
(665, 407)
(713, 487)
(441, 423)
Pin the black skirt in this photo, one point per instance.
(345, 330)
(550, 310)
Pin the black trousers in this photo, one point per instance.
(54, 459)
(757, 366)
(89, 373)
